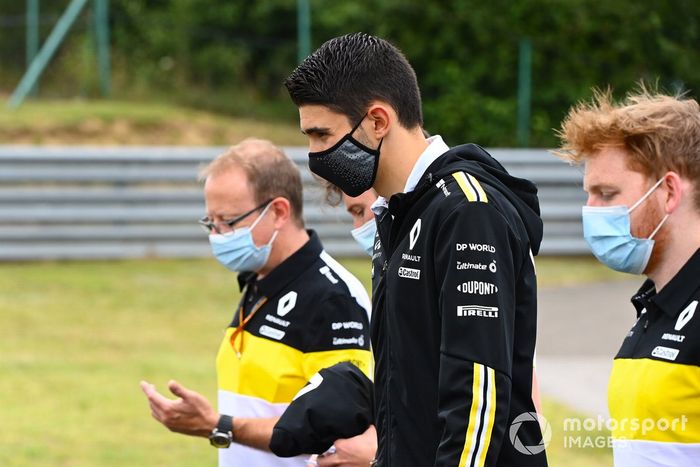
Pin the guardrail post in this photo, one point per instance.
(101, 16)
(303, 29)
(524, 92)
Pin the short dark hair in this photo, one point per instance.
(348, 72)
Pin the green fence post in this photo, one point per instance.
(101, 16)
(32, 36)
(303, 29)
(46, 53)
(524, 92)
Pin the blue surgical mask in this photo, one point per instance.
(237, 251)
(608, 233)
(364, 235)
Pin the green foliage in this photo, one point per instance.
(233, 56)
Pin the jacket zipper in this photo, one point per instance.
(388, 418)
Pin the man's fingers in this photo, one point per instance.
(156, 413)
(147, 388)
(328, 458)
(156, 399)
(179, 390)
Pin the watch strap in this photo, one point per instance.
(222, 434)
(225, 424)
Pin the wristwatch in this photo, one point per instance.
(222, 434)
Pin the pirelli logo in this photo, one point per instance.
(477, 311)
(409, 273)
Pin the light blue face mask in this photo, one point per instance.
(364, 235)
(608, 233)
(237, 251)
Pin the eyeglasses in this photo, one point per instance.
(210, 226)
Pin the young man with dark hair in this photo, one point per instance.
(454, 289)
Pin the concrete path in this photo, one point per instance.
(580, 329)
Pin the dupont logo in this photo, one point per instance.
(477, 311)
(409, 273)
(477, 287)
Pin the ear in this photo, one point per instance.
(382, 116)
(282, 210)
(674, 186)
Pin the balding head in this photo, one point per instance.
(269, 171)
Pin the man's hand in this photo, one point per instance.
(190, 414)
(357, 451)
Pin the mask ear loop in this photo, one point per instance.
(641, 200)
(658, 227)
(357, 125)
(274, 235)
(646, 195)
(260, 216)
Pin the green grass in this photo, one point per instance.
(75, 111)
(77, 337)
(75, 340)
(103, 122)
(573, 447)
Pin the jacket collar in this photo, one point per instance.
(677, 292)
(286, 271)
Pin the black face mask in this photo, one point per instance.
(348, 164)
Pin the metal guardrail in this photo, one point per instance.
(560, 190)
(122, 202)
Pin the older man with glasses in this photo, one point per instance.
(301, 311)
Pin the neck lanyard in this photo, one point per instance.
(241, 324)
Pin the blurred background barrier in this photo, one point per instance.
(130, 202)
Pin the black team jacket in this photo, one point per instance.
(454, 318)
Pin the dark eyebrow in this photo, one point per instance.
(318, 131)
